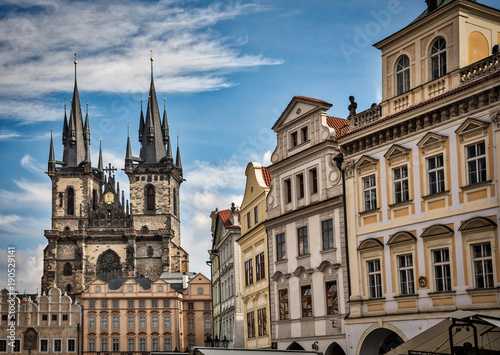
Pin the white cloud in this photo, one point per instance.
(29, 268)
(6, 134)
(29, 194)
(29, 163)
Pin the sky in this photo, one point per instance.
(227, 69)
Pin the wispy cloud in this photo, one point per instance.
(29, 268)
(7, 134)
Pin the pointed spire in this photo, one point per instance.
(128, 156)
(151, 64)
(101, 165)
(169, 148)
(86, 136)
(65, 125)
(178, 156)
(164, 125)
(141, 123)
(51, 151)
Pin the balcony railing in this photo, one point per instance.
(480, 69)
(363, 118)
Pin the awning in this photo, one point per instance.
(436, 339)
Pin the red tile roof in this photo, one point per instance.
(225, 216)
(340, 125)
(267, 176)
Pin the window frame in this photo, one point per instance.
(371, 189)
(306, 301)
(445, 266)
(313, 178)
(47, 341)
(333, 306)
(403, 75)
(406, 284)
(438, 57)
(302, 241)
(60, 341)
(482, 259)
(400, 196)
(260, 265)
(440, 183)
(372, 275)
(294, 139)
(250, 325)
(249, 272)
(299, 178)
(327, 232)
(262, 322)
(68, 347)
(150, 199)
(287, 189)
(284, 311)
(280, 247)
(476, 159)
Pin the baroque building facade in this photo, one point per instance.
(305, 228)
(254, 273)
(422, 170)
(96, 233)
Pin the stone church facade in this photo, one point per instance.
(96, 233)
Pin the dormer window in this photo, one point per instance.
(293, 139)
(438, 58)
(403, 75)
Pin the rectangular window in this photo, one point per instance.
(248, 272)
(374, 278)
(305, 136)
(313, 178)
(115, 304)
(327, 232)
(190, 323)
(131, 344)
(166, 303)
(131, 322)
(64, 317)
(262, 322)
(300, 186)
(91, 344)
(483, 265)
(249, 220)
(332, 303)
(250, 325)
(166, 322)
(155, 344)
(142, 322)
(45, 317)
(142, 344)
(71, 345)
(54, 317)
(442, 270)
(207, 306)
(401, 192)
(104, 344)
(167, 344)
(116, 344)
(200, 290)
(283, 299)
(406, 280)
(154, 303)
(208, 323)
(476, 163)
(293, 139)
(256, 214)
(130, 303)
(260, 267)
(288, 191)
(44, 345)
(142, 303)
(370, 192)
(280, 247)
(17, 346)
(154, 321)
(104, 304)
(435, 171)
(91, 322)
(190, 305)
(306, 301)
(104, 322)
(303, 241)
(116, 322)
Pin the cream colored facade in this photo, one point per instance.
(422, 168)
(145, 316)
(54, 320)
(254, 258)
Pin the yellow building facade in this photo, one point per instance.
(422, 170)
(254, 258)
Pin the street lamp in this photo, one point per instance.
(216, 342)
(225, 342)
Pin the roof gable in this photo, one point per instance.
(471, 125)
(258, 180)
(298, 107)
(431, 139)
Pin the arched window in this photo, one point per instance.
(438, 58)
(175, 202)
(68, 269)
(71, 201)
(68, 288)
(403, 75)
(150, 198)
(94, 200)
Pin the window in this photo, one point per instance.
(142, 322)
(116, 344)
(91, 322)
(406, 280)
(438, 58)
(166, 322)
(300, 186)
(104, 304)
(435, 169)
(442, 271)
(332, 303)
(248, 272)
(115, 303)
(71, 202)
(92, 344)
(130, 303)
(160, 288)
(293, 139)
(262, 322)
(57, 347)
(313, 178)
(401, 192)
(54, 317)
(250, 325)
(104, 322)
(104, 344)
(200, 290)
(303, 242)
(167, 344)
(166, 303)
(283, 299)
(175, 202)
(155, 344)
(327, 232)
(142, 303)
(154, 321)
(142, 344)
(304, 134)
(131, 344)
(476, 163)
(256, 214)
(403, 75)
(64, 317)
(154, 303)
(130, 289)
(150, 204)
(131, 322)
(91, 304)
(374, 279)
(249, 221)
(288, 191)
(260, 267)
(71, 345)
(17, 346)
(44, 345)
(116, 322)
(370, 192)
(191, 323)
(68, 269)
(208, 323)
(483, 265)
(207, 306)
(190, 305)
(280, 247)
(306, 301)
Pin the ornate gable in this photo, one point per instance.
(432, 140)
(471, 126)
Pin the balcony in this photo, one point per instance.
(480, 69)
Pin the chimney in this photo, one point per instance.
(184, 280)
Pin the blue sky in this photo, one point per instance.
(228, 68)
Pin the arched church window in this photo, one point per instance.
(71, 202)
(68, 288)
(68, 269)
(94, 200)
(438, 58)
(150, 198)
(175, 202)
(403, 75)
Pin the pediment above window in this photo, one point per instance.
(471, 125)
(402, 238)
(366, 161)
(397, 151)
(432, 140)
(370, 244)
(437, 231)
(477, 224)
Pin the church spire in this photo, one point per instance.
(164, 125)
(141, 123)
(65, 126)
(178, 156)
(169, 148)
(101, 165)
(129, 160)
(86, 137)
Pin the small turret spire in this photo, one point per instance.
(101, 165)
(169, 148)
(151, 64)
(178, 155)
(75, 67)
(164, 125)
(65, 125)
(52, 159)
(86, 134)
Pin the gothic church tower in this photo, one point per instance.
(95, 232)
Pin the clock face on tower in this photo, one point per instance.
(109, 198)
